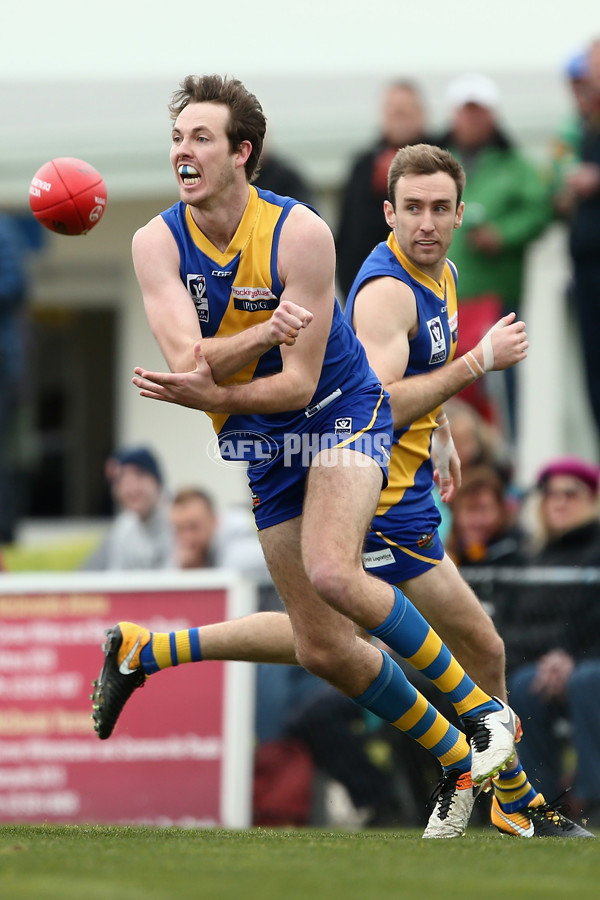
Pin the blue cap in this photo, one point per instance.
(142, 458)
(576, 66)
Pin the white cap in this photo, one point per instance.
(473, 88)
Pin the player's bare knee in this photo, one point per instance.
(331, 582)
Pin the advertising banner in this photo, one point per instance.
(181, 752)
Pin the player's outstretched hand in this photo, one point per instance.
(286, 323)
(195, 389)
(504, 345)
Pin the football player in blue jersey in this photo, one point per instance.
(403, 306)
(238, 286)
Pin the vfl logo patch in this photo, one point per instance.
(196, 285)
(425, 541)
(254, 299)
(343, 425)
(438, 341)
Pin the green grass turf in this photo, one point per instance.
(133, 863)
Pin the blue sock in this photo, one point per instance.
(405, 630)
(408, 633)
(520, 790)
(391, 696)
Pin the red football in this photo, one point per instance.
(67, 195)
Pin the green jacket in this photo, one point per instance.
(505, 189)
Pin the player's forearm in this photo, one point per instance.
(416, 395)
(228, 355)
(225, 355)
(282, 392)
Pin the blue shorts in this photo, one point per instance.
(403, 543)
(360, 420)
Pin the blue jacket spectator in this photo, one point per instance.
(13, 299)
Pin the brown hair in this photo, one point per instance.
(185, 494)
(424, 159)
(247, 121)
(476, 479)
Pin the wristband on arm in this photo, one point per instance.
(471, 361)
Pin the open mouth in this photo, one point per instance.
(188, 174)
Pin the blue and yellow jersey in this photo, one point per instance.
(239, 288)
(411, 469)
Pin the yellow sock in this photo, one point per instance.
(435, 660)
(441, 738)
(170, 649)
(513, 789)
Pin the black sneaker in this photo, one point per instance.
(119, 678)
(539, 819)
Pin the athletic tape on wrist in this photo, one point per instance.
(473, 366)
(469, 366)
(442, 451)
(488, 352)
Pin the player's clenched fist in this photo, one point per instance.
(286, 323)
(509, 343)
(504, 345)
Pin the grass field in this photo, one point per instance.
(132, 863)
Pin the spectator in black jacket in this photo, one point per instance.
(552, 636)
(362, 224)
